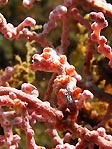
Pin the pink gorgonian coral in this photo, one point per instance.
(70, 94)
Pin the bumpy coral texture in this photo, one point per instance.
(66, 107)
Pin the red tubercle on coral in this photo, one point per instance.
(70, 70)
(46, 55)
(76, 92)
(63, 79)
(48, 49)
(62, 59)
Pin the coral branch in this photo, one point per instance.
(33, 103)
(97, 26)
(62, 109)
